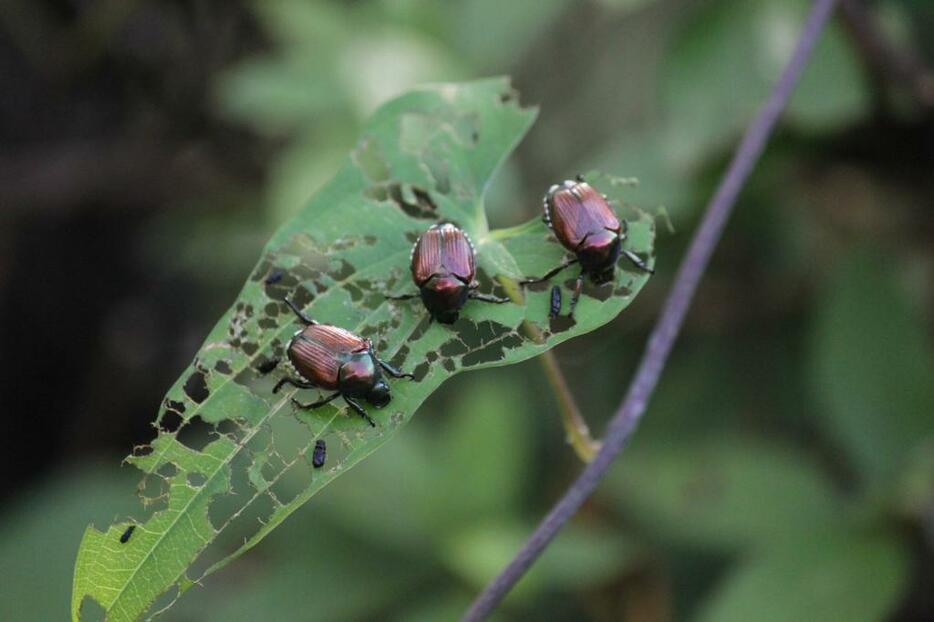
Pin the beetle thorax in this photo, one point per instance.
(358, 374)
(598, 254)
(444, 296)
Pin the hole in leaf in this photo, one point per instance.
(415, 202)
(170, 421)
(266, 365)
(229, 428)
(291, 481)
(164, 600)
(561, 323)
(91, 610)
(421, 370)
(195, 434)
(142, 450)
(196, 386)
(302, 298)
(166, 471)
(344, 271)
(224, 507)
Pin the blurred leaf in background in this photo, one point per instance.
(827, 577)
(873, 374)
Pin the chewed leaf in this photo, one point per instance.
(231, 456)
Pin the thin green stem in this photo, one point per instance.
(578, 433)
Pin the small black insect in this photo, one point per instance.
(555, 302)
(126, 534)
(274, 277)
(320, 454)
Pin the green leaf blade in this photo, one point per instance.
(830, 577)
(725, 494)
(241, 454)
(872, 375)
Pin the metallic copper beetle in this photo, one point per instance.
(584, 224)
(444, 268)
(332, 358)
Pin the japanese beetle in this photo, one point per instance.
(320, 454)
(335, 359)
(444, 268)
(584, 223)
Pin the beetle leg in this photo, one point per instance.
(313, 405)
(360, 409)
(402, 297)
(567, 262)
(578, 286)
(392, 371)
(631, 256)
(298, 312)
(487, 298)
(295, 383)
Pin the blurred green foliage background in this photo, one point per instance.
(785, 468)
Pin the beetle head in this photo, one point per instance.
(379, 395)
(444, 296)
(598, 254)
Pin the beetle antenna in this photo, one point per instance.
(298, 312)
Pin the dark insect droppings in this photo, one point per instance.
(555, 302)
(320, 454)
(126, 534)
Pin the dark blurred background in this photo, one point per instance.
(785, 469)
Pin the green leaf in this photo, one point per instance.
(579, 558)
(725, 493)
(872, 372)
(499, 42)
(726, 60)
(830, 577)
(241, 453)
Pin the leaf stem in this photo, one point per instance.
(669, 323)
(578, 433)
